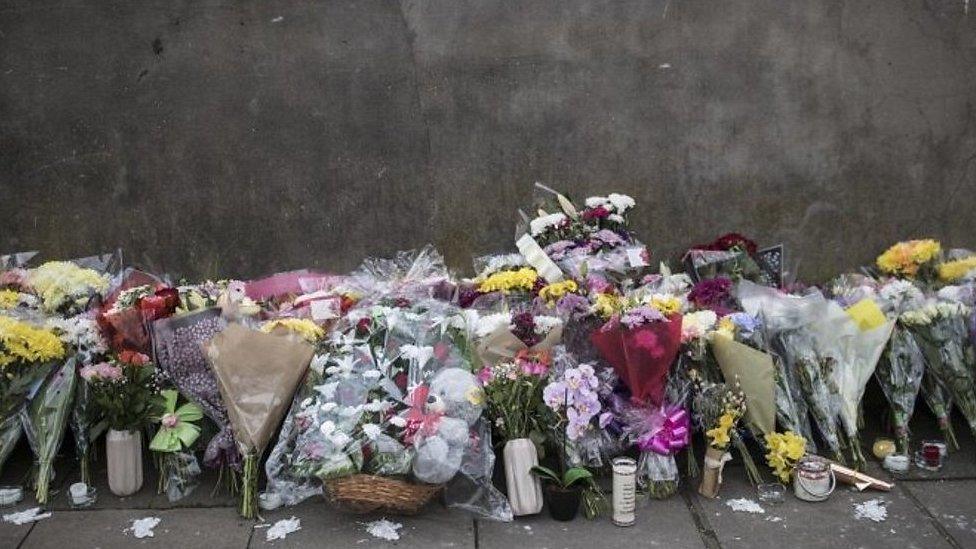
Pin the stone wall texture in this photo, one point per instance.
(243, 137)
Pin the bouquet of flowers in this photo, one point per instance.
(911, 259)
(26, 353)
(257, 373)
(718, 408)
(129, 311)
(124, 389)
(735, 256)
(902, 365)
(514, 392)
(64, 287)
(784, 451)
(641, 343)
(45, 420)
(502, 336)
(940, 329)
(83, 340)
(594, 239)
(175, 436)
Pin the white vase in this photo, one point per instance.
(524, 488)
(123, 451)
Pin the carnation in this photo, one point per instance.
(543, 223)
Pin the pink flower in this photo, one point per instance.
(88, 372)
(108, 372)
(485, 375)
(16, 278)
(170, 420)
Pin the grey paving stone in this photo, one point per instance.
(105, 529)
(11, 534)
(322, 525)
(950, 502)
(665, 523)
(825, 524)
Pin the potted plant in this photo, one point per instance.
(124, 389)
(564, 493)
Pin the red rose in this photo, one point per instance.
(134, 358)
(595, 213)
(363, 326)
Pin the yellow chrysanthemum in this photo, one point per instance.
(951, 271)
(905, 258)
(556, 290)
(784, 451)
(9, 299)
(308, 330)
(606, 305)
(21, 342)
(59, 282)
(725, 328)
(666, 305)
(523, 279)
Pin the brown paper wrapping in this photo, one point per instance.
(757, 378)
(858, 479)
(258, 374)
(712, 472)
(502, 345)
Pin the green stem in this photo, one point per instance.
(755, 477)
(249, 495)
(43, 482)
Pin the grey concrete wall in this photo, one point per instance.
(247, 136)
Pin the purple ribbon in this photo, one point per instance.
(670, 432)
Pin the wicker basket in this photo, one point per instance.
(369, 493)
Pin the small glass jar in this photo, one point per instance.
(773, 493)
(931, 456)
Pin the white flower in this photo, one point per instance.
(398, 421)
(349, 411)
(543, 223)
(544, 324)
(621, 202)
(372, 374)
(596, 201)
(616, 218)
(307, 402)
(371, 430)
(327, 428)
(319, 362)
(375, 405)
(328, 407)
(697, 324)
(339, 439)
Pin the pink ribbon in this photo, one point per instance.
(670, 434)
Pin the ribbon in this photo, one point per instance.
(420, 422)
(670, 432)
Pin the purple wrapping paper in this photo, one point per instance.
(178, 344)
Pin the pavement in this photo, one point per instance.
(924, 510)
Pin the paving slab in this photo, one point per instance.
(106, 529)
(11, 534)
(951, 503)
(825, 524)
(666, 523)
(323, 525)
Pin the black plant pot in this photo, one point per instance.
(563, 503)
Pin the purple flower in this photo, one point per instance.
(605, 419)
(640, 316)
(745, 322)
(523, 327)
(554, 395)
(606, 237)
(714, 294)
(572, 306)
(558, 250)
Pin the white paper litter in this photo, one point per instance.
(384, 529)
(282, 528)
(872, 509)
(744, 505)
(23, 517)
(143, 528)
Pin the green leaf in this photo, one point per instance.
(575, 475)
(546, 473)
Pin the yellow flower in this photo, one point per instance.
(523, 279)
(784, 451)
(21, 342)
(606, 305)
(905, 258)
(60, 282)
(308, 330)
(725, 328)
(951, 271)
(666, 305)
(9, 299)
(475, 395)
(719, 435)
(556, 290)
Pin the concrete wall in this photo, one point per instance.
(243, 137)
